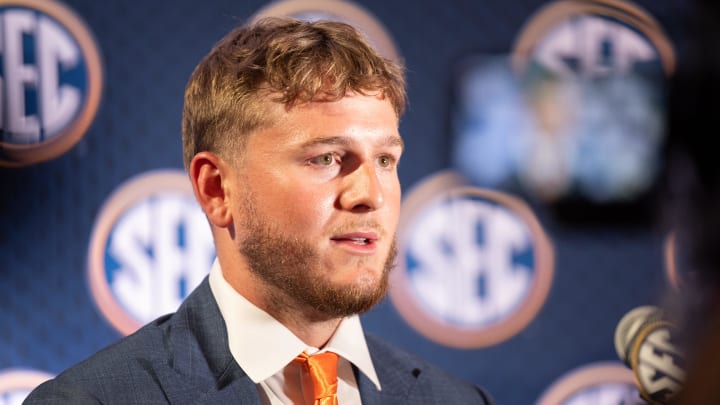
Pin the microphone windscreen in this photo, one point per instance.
(627, 329)
(646, 342)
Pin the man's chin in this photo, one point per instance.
(361, 280)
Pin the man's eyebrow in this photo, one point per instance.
(329, 140)
(390, 140)
(394, 140)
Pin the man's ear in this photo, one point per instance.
(208, 174)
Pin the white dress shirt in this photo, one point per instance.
(264, 348)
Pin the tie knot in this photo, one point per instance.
(322, 368)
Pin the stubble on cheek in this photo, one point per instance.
(295, 275)
(298, 279)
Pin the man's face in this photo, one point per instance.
(320, 203)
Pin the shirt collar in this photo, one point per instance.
(262, 346)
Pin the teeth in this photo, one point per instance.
(362, 241)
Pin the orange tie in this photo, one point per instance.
(322, 368)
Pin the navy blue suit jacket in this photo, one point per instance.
(184, 358)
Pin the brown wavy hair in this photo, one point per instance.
(278, 60)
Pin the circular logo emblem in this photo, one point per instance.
(50, 80)
(474, 265)
(593, 39)
(595, 74)
(585, 81)
(337, 10)
(598, 383)
(150, 246)
(15, 385)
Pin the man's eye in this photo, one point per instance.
(385, 161)
(326, 159)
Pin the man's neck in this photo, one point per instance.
(315, 334)
(308, 324)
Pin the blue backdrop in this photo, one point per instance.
(606, 258)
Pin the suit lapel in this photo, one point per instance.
(390, 393)
(233, 387)
(397, 376)
(202, 369)
(179, 389)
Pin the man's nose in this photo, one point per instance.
(362, 189)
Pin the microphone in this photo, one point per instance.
(646, 342)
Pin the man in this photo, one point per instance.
(290, 138)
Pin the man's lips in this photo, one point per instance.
(356, 238)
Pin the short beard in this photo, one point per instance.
(294, 273)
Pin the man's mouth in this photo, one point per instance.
(360, 241)
(356, 238)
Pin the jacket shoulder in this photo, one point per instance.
(124, 372)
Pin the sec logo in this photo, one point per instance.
(591, 82)
(474, 265)
(337, 10)
(150, 246)
(593, 39)
(595, 384)
(50, 80)
(15, 385)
